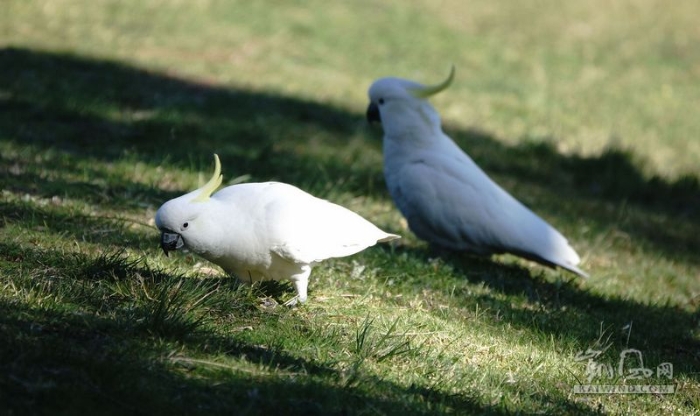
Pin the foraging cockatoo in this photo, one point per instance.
(446, 198)
(263, 231)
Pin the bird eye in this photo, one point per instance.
(380, 101)
(185, 225)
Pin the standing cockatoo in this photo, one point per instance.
(263, 231)
(446, 198)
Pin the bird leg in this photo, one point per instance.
(301, 283)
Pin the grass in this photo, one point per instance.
(110, 108)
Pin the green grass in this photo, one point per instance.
(583, 110)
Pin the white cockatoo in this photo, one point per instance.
(446, 198)
(263, 231)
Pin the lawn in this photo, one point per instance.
(585, 111)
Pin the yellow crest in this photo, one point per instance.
(427, 91)
(211, 186)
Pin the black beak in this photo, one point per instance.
(373, 113)
(170, 241)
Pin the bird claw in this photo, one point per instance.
(293, 302)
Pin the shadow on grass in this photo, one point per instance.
(64, 365)
(105, 231)
(613, 176)
(114, 356)
(102, 111)
(606, 192)
(569, 310)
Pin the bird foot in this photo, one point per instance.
(293, 302)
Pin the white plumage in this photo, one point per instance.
(263, 231)
(446, 198)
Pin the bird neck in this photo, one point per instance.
(417, 134)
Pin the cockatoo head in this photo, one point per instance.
(400, 104)
(180, 220)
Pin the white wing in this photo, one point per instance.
(302, 228)
(308, 229)
(449, 201)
